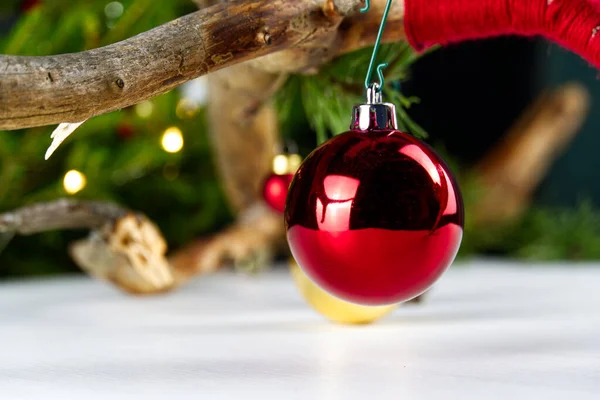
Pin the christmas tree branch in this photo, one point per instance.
(37, 91)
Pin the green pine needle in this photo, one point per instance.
(327, 99)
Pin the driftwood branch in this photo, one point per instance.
(514, 168)
(128, 250)
(60, 214)
(37, 91)
(123, 247)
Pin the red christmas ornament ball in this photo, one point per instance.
(275, 190)
(374, 216)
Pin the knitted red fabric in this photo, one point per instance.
(571, 23)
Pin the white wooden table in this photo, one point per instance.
(488, 331)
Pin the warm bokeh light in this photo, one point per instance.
(280, 164)
(172, 140)
(144, 109)
(187, 108)
(74, 181)
(294, 161)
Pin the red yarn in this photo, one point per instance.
(574, 24)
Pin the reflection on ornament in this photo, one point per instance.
(74, 181)
(374, 216)
(172, 140)
(334, 216)
(331, 307)
(144, 109)
(186, 108)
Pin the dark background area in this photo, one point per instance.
(472, 92)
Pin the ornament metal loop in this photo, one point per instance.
(374, 95)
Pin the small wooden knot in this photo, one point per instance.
(119, 82)
(265, 37)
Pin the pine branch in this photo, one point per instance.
(328, 97)
(37, 91)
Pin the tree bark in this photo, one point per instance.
(36, 91)
(514, 168)
(60, 214)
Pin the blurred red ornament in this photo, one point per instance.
(276, 189)
(27, 5)
(276, 185)
(374, 216)
(125, 131)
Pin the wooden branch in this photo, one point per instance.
(336, 36)
(123, 247)
(60, 214)
(511, 172)
(243, 129)
(128, 250)
(130, 253)
(37, 91)
(248, 245)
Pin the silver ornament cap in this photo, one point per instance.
(374, 114)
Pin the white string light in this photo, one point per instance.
(74, 181)
(172, 140)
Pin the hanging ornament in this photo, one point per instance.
(275, 187)
(331, 307)
(374, 216)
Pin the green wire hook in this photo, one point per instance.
(381, 66)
